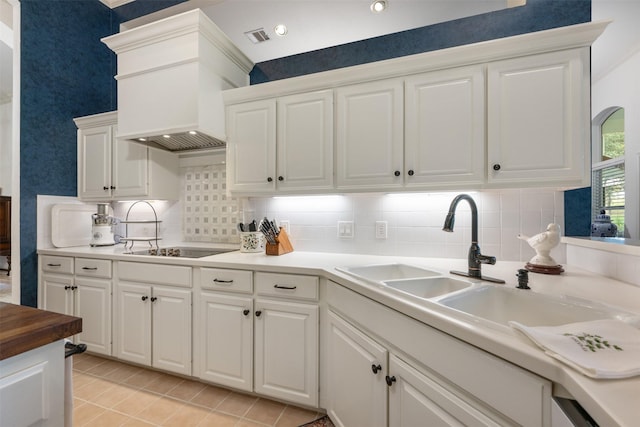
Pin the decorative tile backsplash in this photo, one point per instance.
(208, 213)
(414, 222)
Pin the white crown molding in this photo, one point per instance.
(112, 4)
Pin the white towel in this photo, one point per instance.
(599, 349)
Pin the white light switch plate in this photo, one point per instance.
(345, 229)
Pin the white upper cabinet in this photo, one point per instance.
(129, 169)
(251, 147)
(305, 141)
(538, 120)
(512, 112)
(281, 144)
(445, 128)
(94, 162)
(369, 135)
(116, 169)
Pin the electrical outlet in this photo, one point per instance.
(286, 224)
(345, 229)
(381, 229)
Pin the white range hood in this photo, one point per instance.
(171, 74)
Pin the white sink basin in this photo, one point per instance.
(430, 287)
(382, 272)
(500, 305)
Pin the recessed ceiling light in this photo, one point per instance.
(193, 132)
(379, 5)
(142, 139)
(166, 136)
(280, 29)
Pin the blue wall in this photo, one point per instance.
(67, 72)
(536, 15)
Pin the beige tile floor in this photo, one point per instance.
(110, 393)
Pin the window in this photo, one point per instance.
(608, 177)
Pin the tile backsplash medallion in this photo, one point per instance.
(208, 213)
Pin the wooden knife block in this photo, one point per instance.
(282, 247)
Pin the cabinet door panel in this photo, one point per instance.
(251, 147)
(538, 119)
(286, 351)
(133, 323)
(94, 162)
(94, 307)
(171, 330)
(130, 173)
(357, 396)
(226, 343)
(58, 295)
(445, 131)
(370, 133)
(305, 141)
(415, 399)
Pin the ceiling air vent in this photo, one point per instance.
(257, 36)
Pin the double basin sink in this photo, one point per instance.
(493, 305)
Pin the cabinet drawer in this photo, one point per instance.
(93, 267)
(287, 285)
(157, 274)
(226, 280)
(57, 264)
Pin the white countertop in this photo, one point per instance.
(610, 402)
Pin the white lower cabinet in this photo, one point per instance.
(87, 294)
(154, 326)
(226, 341)
(418, 399)
(93, 305)
(408, 374)
(152, 319)
(356, 369)
(364, 376)
(252, 343)
(286, 350)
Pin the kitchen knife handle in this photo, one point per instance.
(290, 288)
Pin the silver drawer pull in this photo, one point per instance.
(222, 281)
(284, 287)
(54, 265)
(89, 268)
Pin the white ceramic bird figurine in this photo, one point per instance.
(543, 243)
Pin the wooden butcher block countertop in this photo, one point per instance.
(25, 328)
